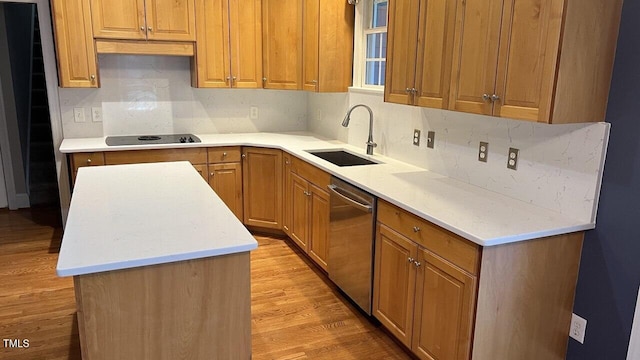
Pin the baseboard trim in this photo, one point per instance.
(22, 201)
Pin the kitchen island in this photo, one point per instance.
(160, 265)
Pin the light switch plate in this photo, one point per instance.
(78, 115)
(431, 139)
(512, 158)
(416, 137)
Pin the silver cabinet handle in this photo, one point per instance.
(486, 97)
(344, 195)
(417, 263)
(224, 154)
(244, 156)
(495, 98)
(141, 28)
(264, 79)
(286, 162)
(150, 29)
(407, 90)
(228, 78)
(92, 77)
(88, 161)
(212, 174)
(414, 91)
(233, 78)
(411, 259)
(416, 229)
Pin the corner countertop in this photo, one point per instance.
(479, 215)
(126, 216)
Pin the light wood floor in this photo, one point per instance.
(296, 312)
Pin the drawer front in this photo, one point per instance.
(445, 244)
(87, 159)
(224, 154)
(311, 173)
(193, 155)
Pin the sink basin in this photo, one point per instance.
(341, 157)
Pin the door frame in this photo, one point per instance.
(51, 80)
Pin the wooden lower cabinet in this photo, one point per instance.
(300, 211)
(318, 225)
(262, 187)
(424, 300)
(226, 181)
(287, 211)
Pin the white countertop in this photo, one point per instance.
(482, 216)
(126, 216)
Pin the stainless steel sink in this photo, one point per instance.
(341, 157)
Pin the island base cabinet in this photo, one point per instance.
(196, 309)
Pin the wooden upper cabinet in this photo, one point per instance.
(328, 45)
(229, 51)
(420, 50)
(541, 60)
(282, 44)
(144, 19)
(75, 50)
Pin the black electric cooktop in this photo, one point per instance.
(151, 139)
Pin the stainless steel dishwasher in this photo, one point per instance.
(351, 231)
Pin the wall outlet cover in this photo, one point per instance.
(578, 328)
(483, 151)
(96, 114)
(416, 137)
(254, 113)
(512, 158)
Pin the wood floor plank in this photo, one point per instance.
(297, 313)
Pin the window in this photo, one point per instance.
(370, 44)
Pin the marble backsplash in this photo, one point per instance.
(560, 166)
(153, 95)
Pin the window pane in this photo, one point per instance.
(383, 45)
(374, 73)
(379, 18)
(374, 45)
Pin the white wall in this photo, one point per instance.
(153, 95)
(559, 168)
(4, 202)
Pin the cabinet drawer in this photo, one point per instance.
(224, 154)
(311, 173)
(194, 156)
(445, 244)
(87, 159)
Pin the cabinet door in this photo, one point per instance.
(75, 49)
(476, 55)
(435, 52)
(300, 211)
(394, 282)
(262, 185)
(335, 42)
(226, 181)
(282, 41)
(119, 19)
(444, 309)
(287, 211)
(213, 50)
(202, 170)
(319, 225)
(402, 39)
(246, 43)
(311, 32)
(529, 46)
(172, 20)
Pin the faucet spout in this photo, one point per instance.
(345, 123)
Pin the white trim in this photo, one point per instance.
(51, 78)
(364, 90)
(634, 342)
(359, 46)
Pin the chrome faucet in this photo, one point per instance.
(345, 123)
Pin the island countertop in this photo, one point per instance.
(479, 215)
(127, 216)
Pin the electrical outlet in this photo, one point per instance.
(512, 159)
(483, 151)
(416, 137)
(431, 139)
(254, 113)
(78, 115)
(578, 328)
(96, 114)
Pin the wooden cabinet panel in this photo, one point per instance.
(318, 225)
(335, 58)
(79, 160)
(229, 51)
(528, 52)
(262, 185)
(459, 251)
(226, 181)
(172, 20)
(444, 309)
(193, 155)
(287, 216)
(435, 53)
(119, 19)
(394, 283)
(75, 50)
(477, 39)
(282, 42)
(300, 211)
(401, 51)
(224, 154)
(310, 42)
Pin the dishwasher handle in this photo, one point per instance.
(344, 195)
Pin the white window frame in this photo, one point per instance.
(359, 47)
